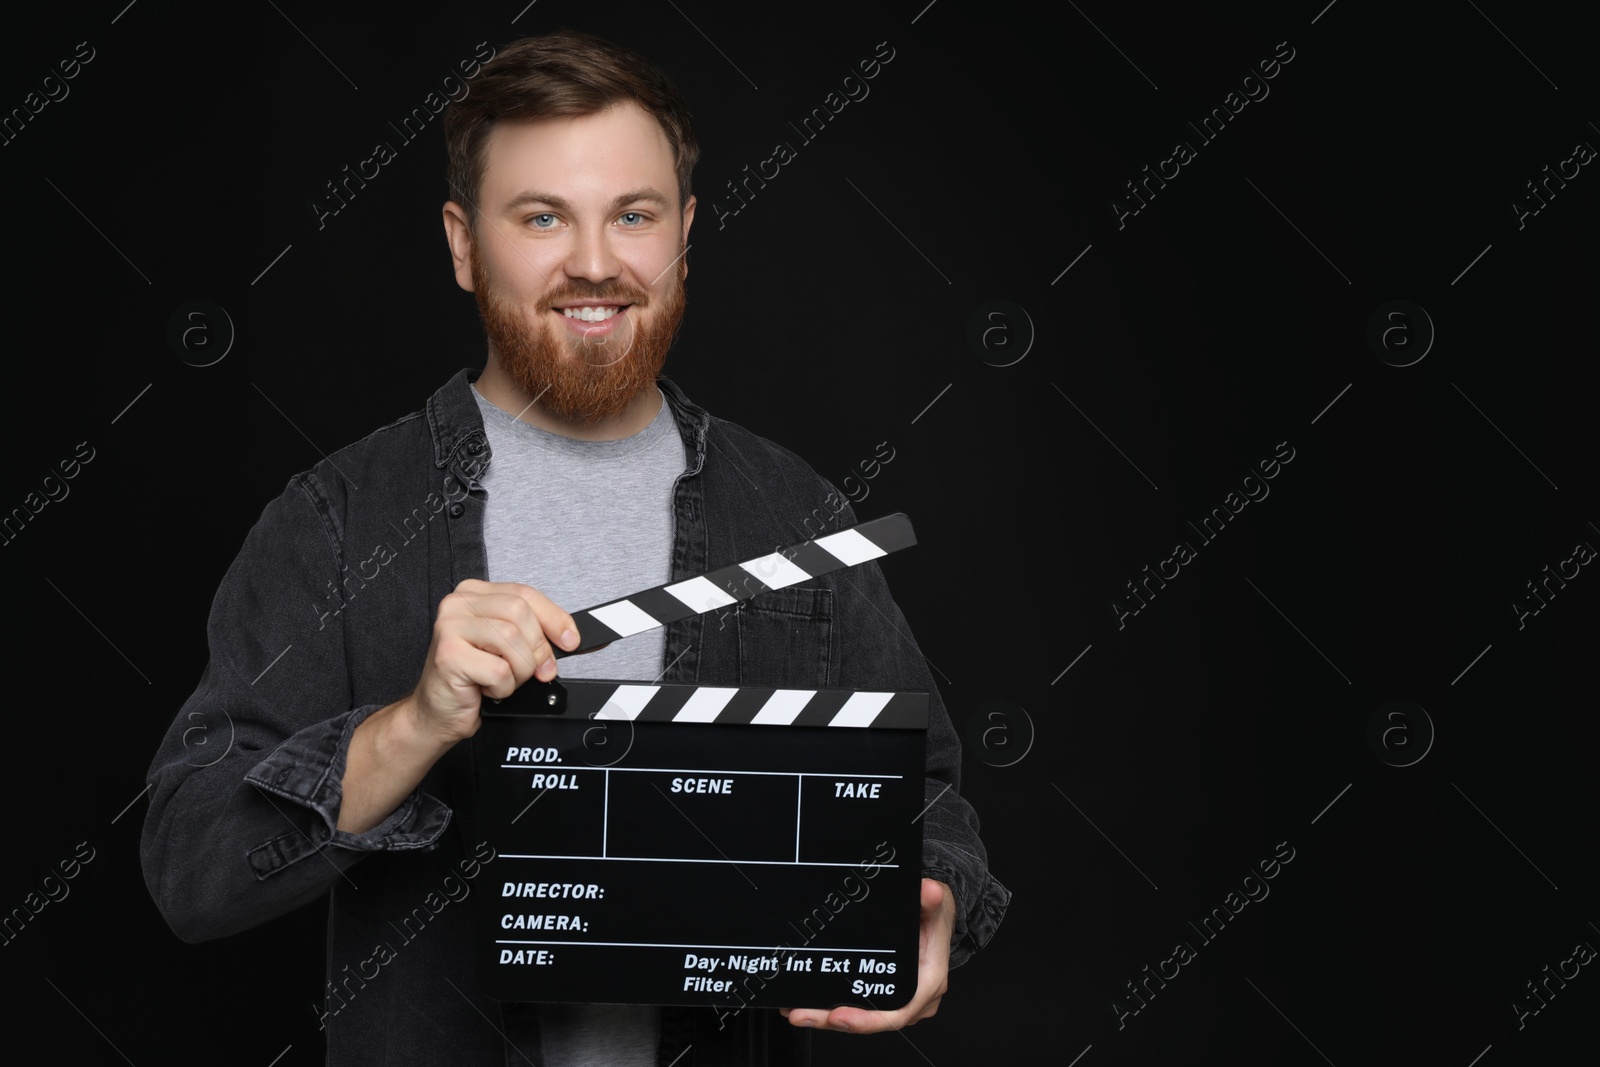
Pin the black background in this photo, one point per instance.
(831, 314)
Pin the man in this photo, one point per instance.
(568, 472)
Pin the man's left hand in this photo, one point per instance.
(933, 972)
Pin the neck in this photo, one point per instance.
(500, 390)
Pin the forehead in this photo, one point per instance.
(588, 158)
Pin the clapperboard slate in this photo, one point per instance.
(704, 845)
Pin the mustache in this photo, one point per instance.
(600, 294)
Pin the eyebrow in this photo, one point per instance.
(533, 196)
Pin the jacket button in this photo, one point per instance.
(283, 776)
(475, 447)
(456, 511)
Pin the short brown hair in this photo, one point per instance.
(559, 75)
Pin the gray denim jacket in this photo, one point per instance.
(326, 615)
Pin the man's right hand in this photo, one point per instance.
(488, 638)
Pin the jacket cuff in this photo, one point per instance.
(981, 900)
(308, 769)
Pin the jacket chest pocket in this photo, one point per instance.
(786, 638)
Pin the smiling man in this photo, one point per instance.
(567, 472)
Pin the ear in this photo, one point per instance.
(458, 234)
(688, 220)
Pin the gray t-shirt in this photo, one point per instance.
(585, 522)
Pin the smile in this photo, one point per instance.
(591, 314)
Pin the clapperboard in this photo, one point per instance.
(716, 846)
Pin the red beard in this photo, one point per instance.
(575, 379)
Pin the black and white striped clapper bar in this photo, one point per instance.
(724, 846)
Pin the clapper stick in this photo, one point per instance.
(715, 589)
(741, 581)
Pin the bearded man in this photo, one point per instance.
(567, 472)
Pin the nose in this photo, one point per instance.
(593, 256)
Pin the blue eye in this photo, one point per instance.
(542, 215)
(626, 215)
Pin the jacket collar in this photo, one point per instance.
(456, 423)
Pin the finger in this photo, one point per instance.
(812, 1018)
(861, 1021)
(856, 1020)
(514, 619)
(554, 622)
(476, 653)
(500, 637)
(551, 620)
(458, 683)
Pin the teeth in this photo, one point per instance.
(595, 314)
